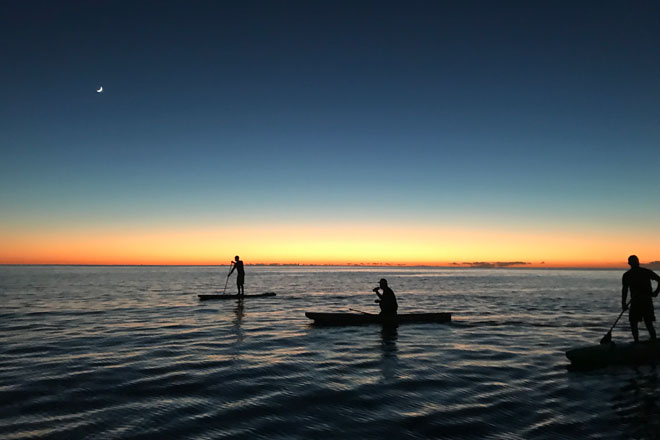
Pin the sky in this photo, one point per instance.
(330, 132)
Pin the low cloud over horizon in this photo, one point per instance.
(489, 265)
(653, 265)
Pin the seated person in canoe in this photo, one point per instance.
(386, 300)
(638, 280)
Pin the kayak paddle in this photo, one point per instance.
(608, 336)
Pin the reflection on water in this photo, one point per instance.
(636, 403)
(389, 360)
(239, 313)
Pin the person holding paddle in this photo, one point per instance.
(386, 300)
(240, 270)
(638, 280)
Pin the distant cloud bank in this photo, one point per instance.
(653, 265)
(489, 265)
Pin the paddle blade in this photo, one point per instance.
(607, 338)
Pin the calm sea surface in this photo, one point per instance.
(130, 352)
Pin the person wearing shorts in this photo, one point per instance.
(638, 281)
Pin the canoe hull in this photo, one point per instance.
(362, 319)
(260, 295)
(598, 356)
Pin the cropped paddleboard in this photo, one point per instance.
(258, 295)
(598, 356)
(369, 318)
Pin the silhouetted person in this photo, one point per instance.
(638, 280)
(386, 300)
(240, 270)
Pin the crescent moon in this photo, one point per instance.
(100, 90)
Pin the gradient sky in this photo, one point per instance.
(329, 132)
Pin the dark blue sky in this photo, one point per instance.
(473, 111)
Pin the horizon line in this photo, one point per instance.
(383, 265)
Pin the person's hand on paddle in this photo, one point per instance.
(624, 306)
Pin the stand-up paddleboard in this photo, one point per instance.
(598, 356)
(258, 295)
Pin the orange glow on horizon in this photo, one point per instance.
(323, 245)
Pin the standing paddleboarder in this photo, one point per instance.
(240, 269)
(638, 280)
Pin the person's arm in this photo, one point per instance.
(233, 266)
(655, 277)
(378, 293)
(624, 296)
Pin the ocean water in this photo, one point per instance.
(130, 352)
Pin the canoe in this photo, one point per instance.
(369, 318)
(598, 356)
(258, 295)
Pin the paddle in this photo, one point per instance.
(223, 290)
(361, 311)
(608, 336)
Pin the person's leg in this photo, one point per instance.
(633, 327)
(649, 326)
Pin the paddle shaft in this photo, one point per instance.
(608, 336)
(619, 317)
(361, 311)
(226, 281)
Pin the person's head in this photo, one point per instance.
(633, 261)
(383, 283)
(236, 258)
